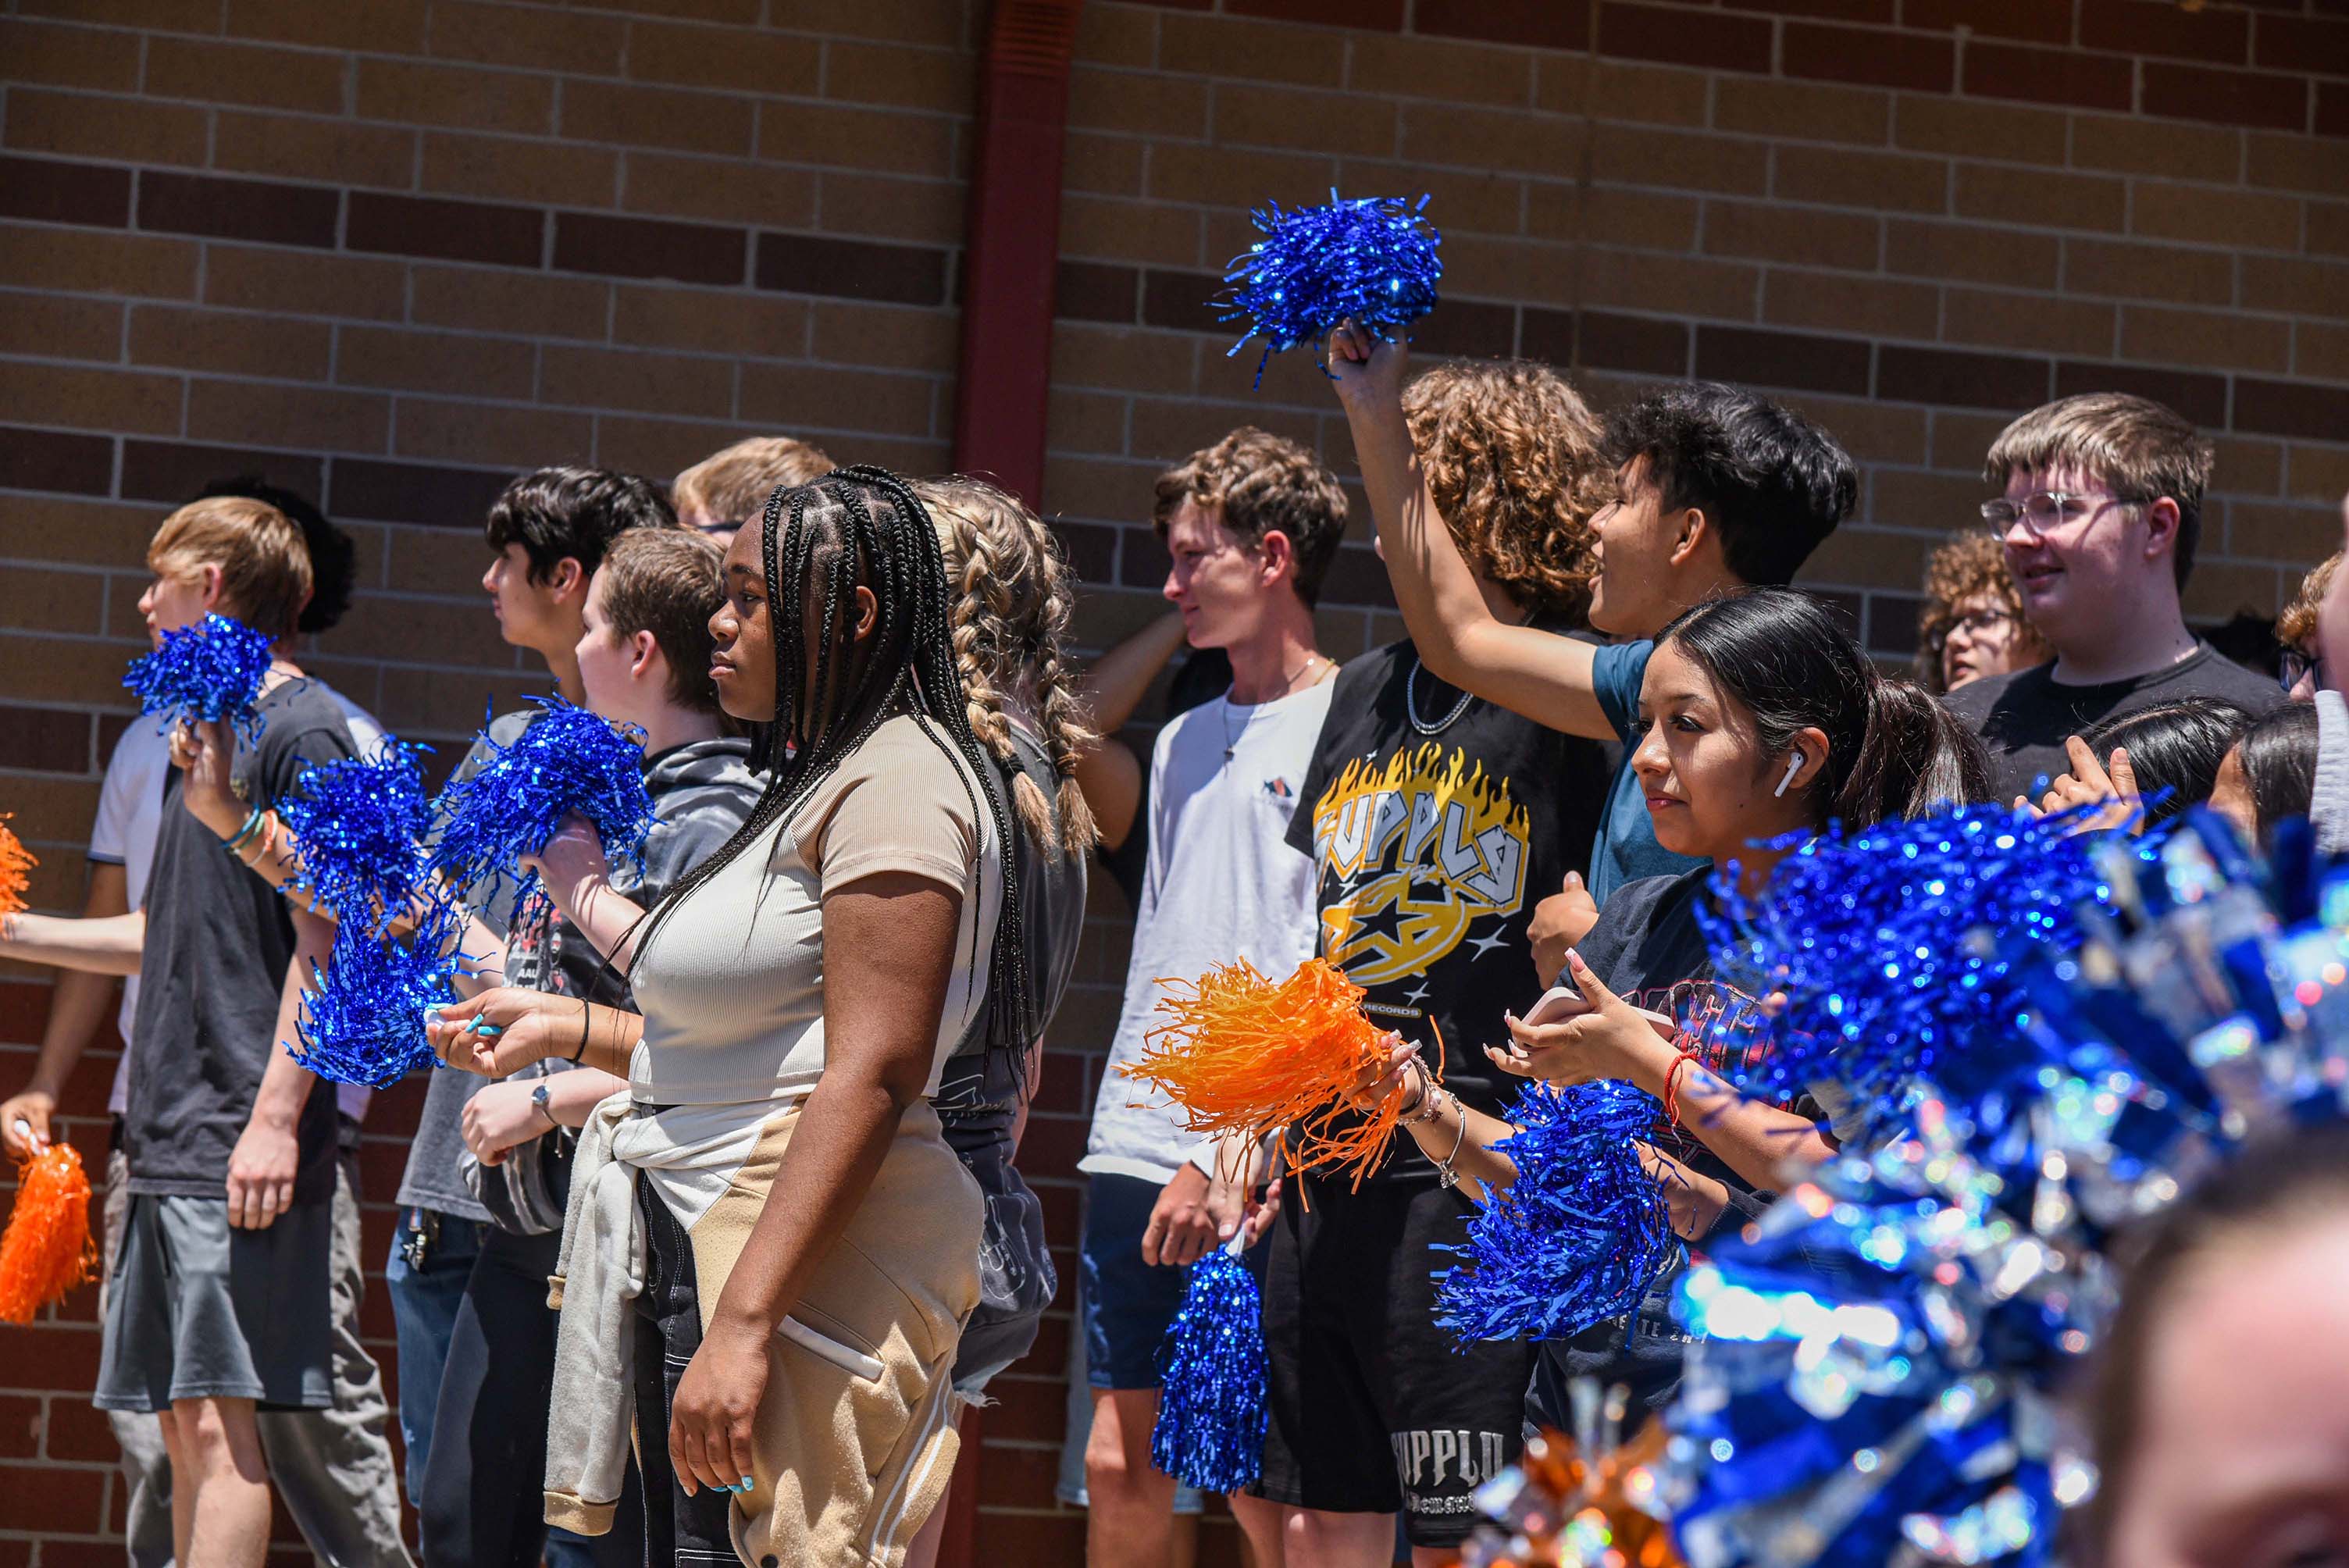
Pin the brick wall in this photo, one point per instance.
(391, 252)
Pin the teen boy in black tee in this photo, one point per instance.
(1437, 823)
(2100, 509)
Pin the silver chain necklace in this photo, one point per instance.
(1410, 704)
(1289, 688)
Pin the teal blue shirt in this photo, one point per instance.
(1626, 848)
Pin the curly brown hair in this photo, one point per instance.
(2296, 627)
(1971, 566)
(1514, 457)
(1261, 482)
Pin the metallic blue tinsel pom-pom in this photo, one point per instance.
(212, 670)
(362, 1021)
(1211, 1407)
(1372, 259)
(1895, 947)
(567, 760)
(1578, 1236)
(361, 821)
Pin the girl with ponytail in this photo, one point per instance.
(1762, 719)
(771, 1250)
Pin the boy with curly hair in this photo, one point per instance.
(1716, 488)
(1436, 821)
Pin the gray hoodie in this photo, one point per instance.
(2328, 805)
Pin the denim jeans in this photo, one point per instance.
(425, 1297)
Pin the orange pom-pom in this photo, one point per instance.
(47, 1250)
(16, 860)
(1562, 1509)
(1245, 1055)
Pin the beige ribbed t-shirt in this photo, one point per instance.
(731, 982)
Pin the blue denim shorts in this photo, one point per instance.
(1129, 1303)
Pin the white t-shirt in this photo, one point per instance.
(1221, 883)
(731, 982)
(130, 814)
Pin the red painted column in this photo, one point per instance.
(1011, 248)
(1011, 244)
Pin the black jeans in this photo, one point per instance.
(680, 1530)
(484, 1479)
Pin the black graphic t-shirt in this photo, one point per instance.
(1432, 842)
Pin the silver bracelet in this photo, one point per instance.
(1426, 1107)
(1445, 1175)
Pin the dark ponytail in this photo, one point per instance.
(1892, 749)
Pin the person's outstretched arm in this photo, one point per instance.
(1541, 675)
(1110, 774)
(107, 946)
(77, 1005)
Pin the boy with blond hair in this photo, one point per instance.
(221, 1304)
(727, 489)
(2099, 509)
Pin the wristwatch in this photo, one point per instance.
(538, 1099)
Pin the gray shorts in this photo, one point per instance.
(199, 1310)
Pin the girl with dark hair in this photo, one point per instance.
(1762, 719)
(790, 1358)
(2269, 774)
(2160, 760)
(2219, 1416)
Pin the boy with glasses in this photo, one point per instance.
(2100, 512)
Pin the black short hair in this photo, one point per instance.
(2278, 756)
(1773, 483)
(2175, 745)
(333, 559)
(573, 513)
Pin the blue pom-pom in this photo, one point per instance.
(567, 760)
(1895, 947)
(213, 670)
(361, 822)
(1578, 1236)
(1372, 258)
(362, 1022)
(1211, 1404)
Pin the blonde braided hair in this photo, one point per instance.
(1012, 599)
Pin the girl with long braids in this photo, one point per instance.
(771, 1248)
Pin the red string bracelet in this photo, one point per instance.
(1672, 1088)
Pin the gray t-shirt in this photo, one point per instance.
(432, 1180)
(218, 941)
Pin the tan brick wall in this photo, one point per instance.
(391, 252)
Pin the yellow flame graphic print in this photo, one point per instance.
(1422, 847)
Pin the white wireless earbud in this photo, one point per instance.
(1794, 766)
